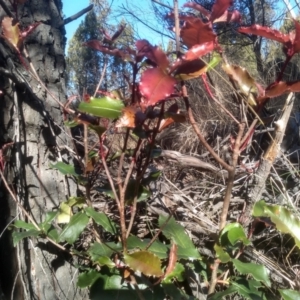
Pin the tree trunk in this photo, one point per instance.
(32, 119)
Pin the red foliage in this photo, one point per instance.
(154, 53)
(290, 41)
(196, 32)
(156, 85)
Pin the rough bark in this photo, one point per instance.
(32, 119)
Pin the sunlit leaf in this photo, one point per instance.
(196, 32)
(11, 32)
(222, 255)
(198, 50)
(235, 232)
(155, 85)
(229, 16)
(105, 107)
(289, 294)
(131, 117)
(145, 262)
(266, 32)
(65, 213)
(245, 82)
(259, 272)
(74, 228)
(284, 220)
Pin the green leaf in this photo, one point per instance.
(87, 278)
(153, 176)
(52, 233)
(24, 225)
(221, 254)
(65, 209)
(174, 292)
(246, 288)
(158, 248)
(73, 229)
(106, 261)
(102, 220)
(109, 287)
(98, 129)
(17, 236)
(178, 273)
(71, 123)
(214, 61)
(176, 232)
(289, 294)
(143, 193)
(98, 250)
(105, 107)
(75, 201)
(259, 272)
(145, 262)
(284, 220)
(65, 169)
(50, 216)
(235, 233)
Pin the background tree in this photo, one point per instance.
(85, 65)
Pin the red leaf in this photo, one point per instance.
(219, 8)
(155, 85)
(266, 32)
(296, 40)
(190, 69)
(172, 115)
(118, 32)
(199, 50)
(278, 88)
(198, 7)
(154, 53)
(97, 45)
(229, 16)
(196, 32)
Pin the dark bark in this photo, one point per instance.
(31, 118)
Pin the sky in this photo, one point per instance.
(140, 7)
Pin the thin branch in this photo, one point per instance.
(78, 15)
(199, 134)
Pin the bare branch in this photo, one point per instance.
(78, 15)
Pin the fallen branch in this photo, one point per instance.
(191, 161)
